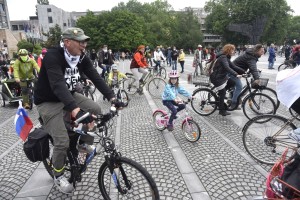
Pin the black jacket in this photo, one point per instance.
(51, 85)
(105, 58)
(247, 61)
(222, 68)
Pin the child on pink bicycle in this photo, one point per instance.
(170, 98)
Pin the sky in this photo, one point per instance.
(22, 9)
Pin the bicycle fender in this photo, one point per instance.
(164, 112)
(186, 119)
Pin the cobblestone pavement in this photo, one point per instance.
(219, 166)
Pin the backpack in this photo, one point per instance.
(209, 67)
(36, 148)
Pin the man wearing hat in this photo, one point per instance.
(55, 97)
(198, 59)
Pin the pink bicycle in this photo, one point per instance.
(189, 127)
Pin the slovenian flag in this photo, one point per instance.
(23, 123)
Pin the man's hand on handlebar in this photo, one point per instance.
(77, 113)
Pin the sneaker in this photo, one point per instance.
(170, 127)
(294, 135)
(85, 148)
(63, 184)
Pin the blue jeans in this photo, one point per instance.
(237, 90)
(271, 63)
(174, 108)
(174, 64)
(104, 69)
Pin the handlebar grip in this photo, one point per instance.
(77, 121)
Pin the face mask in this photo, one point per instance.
(105, 49)
(24, 58)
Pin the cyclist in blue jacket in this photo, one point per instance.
(170, 98)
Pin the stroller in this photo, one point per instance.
(10, 91)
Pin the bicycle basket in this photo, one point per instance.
(201, 80)
(263, 82)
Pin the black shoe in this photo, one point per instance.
(232, 106)
(224, 113)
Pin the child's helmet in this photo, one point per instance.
(174, 74)
(44, 51)
(114, 67)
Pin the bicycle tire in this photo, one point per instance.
(129, 85)
(137, 176)
(2, 100)
(123, 97)
(255, 102)
(159, 115)
(163, 73)
(271, 93)
(205, 101)
(156, 87)
(285, 66)
(258, 138)
(193, 135)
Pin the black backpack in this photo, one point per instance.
(36, 147)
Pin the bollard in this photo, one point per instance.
(190, 78)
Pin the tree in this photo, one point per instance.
(54, 36)
(292, 32)
(225, 12)
(24, 44)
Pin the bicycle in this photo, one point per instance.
(120, 93)
(88, 90)
(155, 85)
(265, 137)
(287, 64)
(129, 178)
(207, 101)
(189, 127)
(160, 72)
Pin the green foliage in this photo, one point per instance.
(54, 36)
(293, 30)
(24, 44)
(225, 12)
(128, 25)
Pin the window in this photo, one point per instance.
(50, 20)
(48, 9)
(21, 27)
(15, 27)
(65, 24)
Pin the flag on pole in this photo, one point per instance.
(23, 123)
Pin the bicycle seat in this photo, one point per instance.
(201, 83)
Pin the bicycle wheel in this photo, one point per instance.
(258, 104)
(130, 86)
(260, 141)
(285, 66)
(294, 114)
(2, 100)
(156, 87)
(205, 101)
(128, 175)
(163, 73)
(159, 120)
(123, 97)
(191, 130)
(271, 93)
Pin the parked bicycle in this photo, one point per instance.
(189, 127)
(129, 178)
(155, 85)
(266, 137)
(255, 103)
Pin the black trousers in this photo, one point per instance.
(222, 93)
(296, 106)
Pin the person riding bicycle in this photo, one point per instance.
(220, 78)
(55, 95)
(94, 57)
(115, 75)
(138, 65)
(24, 69)
(246, 61)
(105, 60)
(170, 97)
(296, 55)
(158, 57)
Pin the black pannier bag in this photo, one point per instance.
(36, 147)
